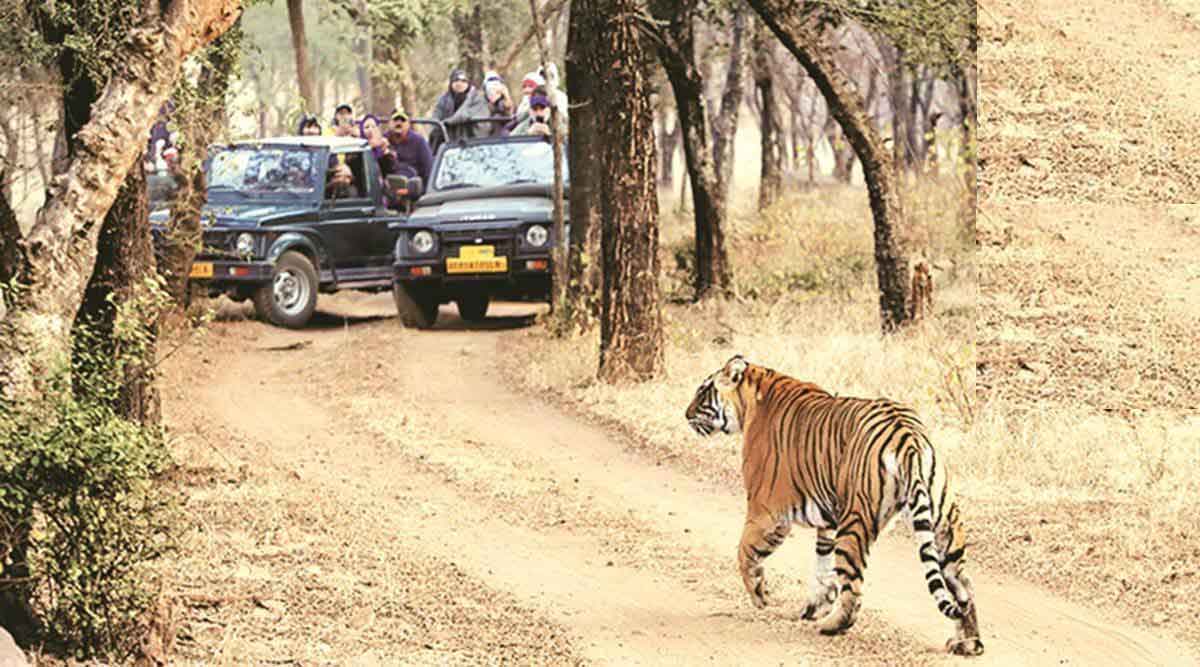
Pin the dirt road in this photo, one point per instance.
(380, 496)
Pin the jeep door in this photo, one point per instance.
(347, 222)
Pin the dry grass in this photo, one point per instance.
(1088, 503)
(1069, 109)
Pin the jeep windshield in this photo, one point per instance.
(493, 165)
(257, 172)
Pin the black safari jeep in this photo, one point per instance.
(482, 231)
(275, 232)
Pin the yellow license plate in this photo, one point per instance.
(201, 270)
(487, 265)
(477, 252)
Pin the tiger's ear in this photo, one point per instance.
(735, 368)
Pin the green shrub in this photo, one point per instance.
(80, 498)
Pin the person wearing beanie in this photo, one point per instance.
(459, 103)
(531, 81)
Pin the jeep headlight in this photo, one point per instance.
(245, 244)
(537, 236)
(422, 241)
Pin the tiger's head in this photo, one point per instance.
(717, 405)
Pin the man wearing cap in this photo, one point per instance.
(538, 121)
(461, 102)
(410, 148)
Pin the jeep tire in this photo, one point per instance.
(291, 297)
(472, 307)
(417, 307)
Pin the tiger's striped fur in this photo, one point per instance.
(845, 466)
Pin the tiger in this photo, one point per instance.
(846, 467)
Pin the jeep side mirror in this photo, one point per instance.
(405, 187)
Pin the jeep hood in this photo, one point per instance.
(524, 209)
(246, 215)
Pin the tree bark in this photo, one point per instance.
(300, 48)
(472, 41)
(805, 43)
(677, 52)
(771, 175)
(584, 254)
(726, 123)
(57, 256)
(124, 259)
(631, 330)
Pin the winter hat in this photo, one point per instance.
(491, 81)
(458, 75)
(533, 79)
(537, 100)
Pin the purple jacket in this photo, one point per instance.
(414, 152)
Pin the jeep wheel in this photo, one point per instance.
(291, 298)
(418, 308)
(472, 308)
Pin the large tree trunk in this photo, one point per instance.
(677, 52)
(726, 123)
(806, 44)
(771, 179)
(472, 41)
(631, 328)
(57, 256)
(300, 48)
(584, 254)
(124, 259)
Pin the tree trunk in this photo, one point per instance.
(584, 254)
(472, 42)
(677, 52)
(57, 255)
(124, 259)
(771, 178)
(805, 43)
(362, 51)
(668, 141)
(726, 124)
(550, 11)
(631, 328)
(300, 48)
(383, 89)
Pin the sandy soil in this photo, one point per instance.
(380, 495)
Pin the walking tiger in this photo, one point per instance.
(845, 466)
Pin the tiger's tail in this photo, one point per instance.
(921, 511)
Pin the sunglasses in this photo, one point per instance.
(399, 119)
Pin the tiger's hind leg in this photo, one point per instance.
(849, 561)
(952, 545)
(822, 589)
(760, 538)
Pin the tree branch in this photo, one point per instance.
(549, 12)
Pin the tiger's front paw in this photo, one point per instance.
(760, 595)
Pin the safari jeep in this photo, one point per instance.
(482, 231)
(274, 233)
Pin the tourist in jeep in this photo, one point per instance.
(538, 121)
(309, 126)
(412, 151)
(461, 102)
